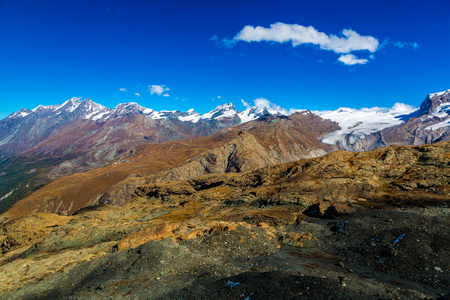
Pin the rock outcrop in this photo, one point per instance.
(392, 174)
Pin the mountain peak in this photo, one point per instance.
(21, 113)
(226, 110)
(432, 95)
(436, 104)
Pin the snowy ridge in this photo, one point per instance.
(442, 111)
(432, 95)
(69, 106)
(357, 123)
(20, 114)
(192, 116)
(87, 109)
(226, 110)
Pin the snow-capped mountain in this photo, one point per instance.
(360, 129)
(80, 124)
(368, 128)
(87, 109)
(357, 123)
(80, 109)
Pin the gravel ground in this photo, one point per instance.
(367, 254)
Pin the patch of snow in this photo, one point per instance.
(69, 106)
(40, 106)
(442, 111)
(126, 109)
(20, 114)
(148, 111)
(192, 116)
(7, 195)
(158, 115)
(100, 116)
(432, 95)
(437, 126)
(252, 113)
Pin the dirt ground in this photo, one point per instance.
(370, 253)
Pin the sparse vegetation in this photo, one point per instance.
(20, 176)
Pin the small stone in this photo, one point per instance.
(157, 278)
(437, 269)
(392, 252)
(341, 264)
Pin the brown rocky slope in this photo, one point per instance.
(252, 145)
(368, 225)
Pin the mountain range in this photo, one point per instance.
(26, 129)
(50, 142)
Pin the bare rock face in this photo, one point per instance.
(262, 143)
(391, 174)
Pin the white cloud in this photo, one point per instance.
(166, 95)
(350, 59)
(401, 108)
(218, 97)
(137, 94)
(299, 35)
(244, 103)
(271, 107)
(122, 89)
(158, 89)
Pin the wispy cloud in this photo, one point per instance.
(122, 89)
(137, 94)
(350, 60)
(166, 95)
(399, 44)
(158, 89)
(413, 45)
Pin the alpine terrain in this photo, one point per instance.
(265, 203)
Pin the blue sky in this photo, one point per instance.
(198, 54)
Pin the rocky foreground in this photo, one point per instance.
(370, 225)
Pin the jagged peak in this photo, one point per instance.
(432, 95)
(226, 110)
(21, 113)
(433, 103)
